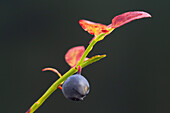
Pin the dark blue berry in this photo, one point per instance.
(75, 87)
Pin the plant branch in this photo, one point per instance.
(116, 22)
(52, 88)
(73, 70)
(93, 42)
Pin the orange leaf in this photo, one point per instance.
(74, 54)
(93, 28)
(128, 17)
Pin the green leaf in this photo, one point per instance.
(92, 59)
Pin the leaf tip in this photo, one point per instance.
(93, 28)
(44, 69)
(104, 55)
(128, 17)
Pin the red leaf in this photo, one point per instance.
(128, 17)
(93, 28)
(74, 54)
(53, 70)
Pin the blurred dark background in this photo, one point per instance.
(133, 78)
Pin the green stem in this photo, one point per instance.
(88, 49)
(73, 70)
(52, 88)
(93, 42)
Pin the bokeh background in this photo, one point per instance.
(133, 78)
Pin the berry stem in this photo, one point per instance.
(79, 69)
